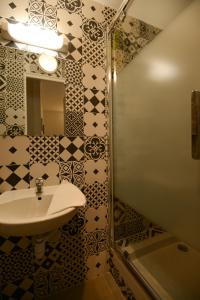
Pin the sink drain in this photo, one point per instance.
(182, 248)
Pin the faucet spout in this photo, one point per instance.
(39, 182)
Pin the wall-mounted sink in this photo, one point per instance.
(21, 213)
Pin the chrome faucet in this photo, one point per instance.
(39, 185)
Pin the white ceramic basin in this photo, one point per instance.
(21, 213)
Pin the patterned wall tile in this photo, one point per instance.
(96, 194)
(44, 149)
(68, 22)
(15, 117)
(93, 10)
(94, 53)
(42, 14)
(73, 171)
(14, 177)
(15, 100)
(96, 242)
(75, 226)
(93, 30)
(15, 266)
(95, 124)
(109, 14)
(95, 171)
(74, 124)
(20, 289)
(41, 284)
(16, 9)
(14, 150)
(74, 98)
(97, 265)
(71, 6)
(74, 48)
(94, 77)
(3, 83)
(94, 101)
(73, 72)
(49, 172)
(71, 149)
(12, 243)
(96, 218)
(95, 148)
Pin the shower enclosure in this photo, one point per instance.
(153, 67)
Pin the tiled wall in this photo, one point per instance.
(78, 250)
(129, 38)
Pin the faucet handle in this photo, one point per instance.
(39, 181)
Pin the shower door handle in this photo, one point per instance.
(195, 118)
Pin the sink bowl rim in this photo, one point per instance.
(29, 193)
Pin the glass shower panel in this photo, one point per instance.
(156, 67)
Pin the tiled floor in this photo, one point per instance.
(102, 288)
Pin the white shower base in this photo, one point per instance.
(170, 273)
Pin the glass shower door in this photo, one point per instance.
(156, 179)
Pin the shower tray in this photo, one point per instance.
(169, 268)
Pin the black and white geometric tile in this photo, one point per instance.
(73, 72)
(49, 172)
(95, 124)
(95, 148)
(94, 53)
(3, 83)
(94, 101)
(74, 98)
(14, 150)
(44, 149)
(74, 123)
(14, 177)
(69, 23)
(96, 218)
(109, 14)
(93, 30)
(10, 244)
(97, 265)
(71, 6)
(72, 171)
(15, 100)
(15, 9)
(95, 171)
(93, 10)
(15, 266)
(96, 194)
(94, 77)
(20, 289)
(40, 284)
(71, 149)
(15, 84)
(96, 242)
(42, 14)
(74, 48)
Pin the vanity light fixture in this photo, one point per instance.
(48, 63)
(33, 35)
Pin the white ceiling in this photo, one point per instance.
(156, 12)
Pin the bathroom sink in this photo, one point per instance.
(23, 212)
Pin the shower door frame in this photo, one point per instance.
(120, 15)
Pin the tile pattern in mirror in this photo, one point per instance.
(79, 249)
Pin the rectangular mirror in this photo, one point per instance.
(45, 107)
